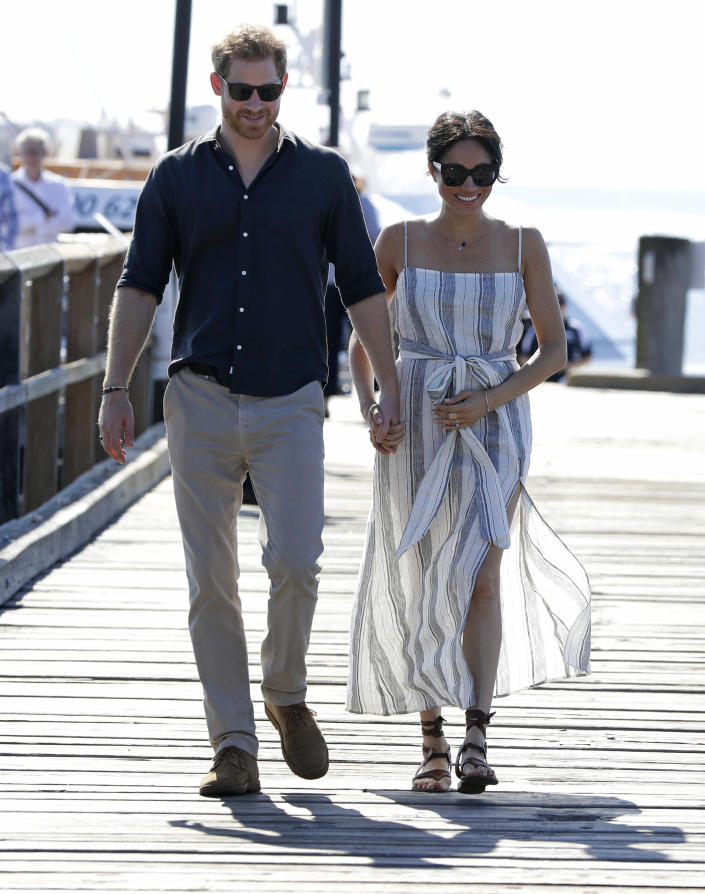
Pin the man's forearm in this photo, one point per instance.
(361, 374)
(370, 319)
(131, 317)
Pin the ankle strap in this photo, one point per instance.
(475, 717)
(433, 728)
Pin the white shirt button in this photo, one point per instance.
(239, 347)
(245, 235)
(242, 310)
(230, 167)
(244, 272)
(246, 196)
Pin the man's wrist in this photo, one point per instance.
(366, 406)
(110, 389)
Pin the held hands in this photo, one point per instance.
(461, 411)
(116, 425)
(386, 432)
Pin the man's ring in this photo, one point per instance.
(457, 423)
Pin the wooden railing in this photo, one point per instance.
(54, 304)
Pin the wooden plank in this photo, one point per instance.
(299, 867)
(348, 749)
(316, 883)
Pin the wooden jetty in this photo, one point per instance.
(102, 739)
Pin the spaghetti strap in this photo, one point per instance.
(519, 253)
(406, 251)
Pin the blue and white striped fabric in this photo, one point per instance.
(441, 500)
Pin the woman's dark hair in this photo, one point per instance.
(452, 127)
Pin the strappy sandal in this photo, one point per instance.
(441, 778)
(472, 782)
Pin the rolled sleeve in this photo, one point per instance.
(373, 285)
(153, 246)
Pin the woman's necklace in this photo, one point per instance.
(473, 238)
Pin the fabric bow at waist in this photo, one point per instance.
(453, 376)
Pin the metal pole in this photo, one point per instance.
(179, 70)
(333, 35)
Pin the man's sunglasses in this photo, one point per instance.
(242, 92)
(456, 175)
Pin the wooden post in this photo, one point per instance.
(43, 296)
(80, 430)
(10, 301)
(109, 270)
(664, 280)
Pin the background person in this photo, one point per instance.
(250, 214)
(42, 198)
(434, 622)
(578, 348)
(8, 212)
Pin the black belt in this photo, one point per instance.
(203, 369)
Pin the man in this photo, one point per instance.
(42, 198)
(8, 213)
(578, 347)
(251, 216)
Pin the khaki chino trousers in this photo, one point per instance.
(214, 439)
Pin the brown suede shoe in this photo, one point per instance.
(303, 745)
(234, 772)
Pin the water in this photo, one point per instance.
(593, 238)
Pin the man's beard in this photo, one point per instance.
(246, 129)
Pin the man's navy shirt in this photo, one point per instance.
(252, 263)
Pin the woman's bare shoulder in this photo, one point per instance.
(533, 241)
(531, 238)
(390, 240)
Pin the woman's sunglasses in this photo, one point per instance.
(242, 92)
(456, 175)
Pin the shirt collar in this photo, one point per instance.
(284, 135)
(213, 137)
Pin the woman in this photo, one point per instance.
(435, 621)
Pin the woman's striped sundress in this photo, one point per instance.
(439, 502)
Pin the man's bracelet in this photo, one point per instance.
(487, 400)
(110, 388)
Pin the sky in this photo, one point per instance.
(605, 93)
